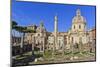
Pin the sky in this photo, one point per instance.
(28, 13)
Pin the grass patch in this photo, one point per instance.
(19, 58)
(48, 54)
(38, 54)
(67, 53)
(28, 53)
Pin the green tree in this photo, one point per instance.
(14, 24)
(22, 30)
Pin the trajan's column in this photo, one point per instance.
(55, 31)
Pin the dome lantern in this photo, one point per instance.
(78, 12)
(78, 18)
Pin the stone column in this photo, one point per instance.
(43, 45)
(55, 30)
(33, 43)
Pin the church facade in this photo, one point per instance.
(76, 37)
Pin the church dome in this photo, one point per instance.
(78, 18)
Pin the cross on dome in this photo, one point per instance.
(78, 12)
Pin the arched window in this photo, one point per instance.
(74, 26)
(72, 39)
(38, 34)
(79, 26)
(80, 39)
